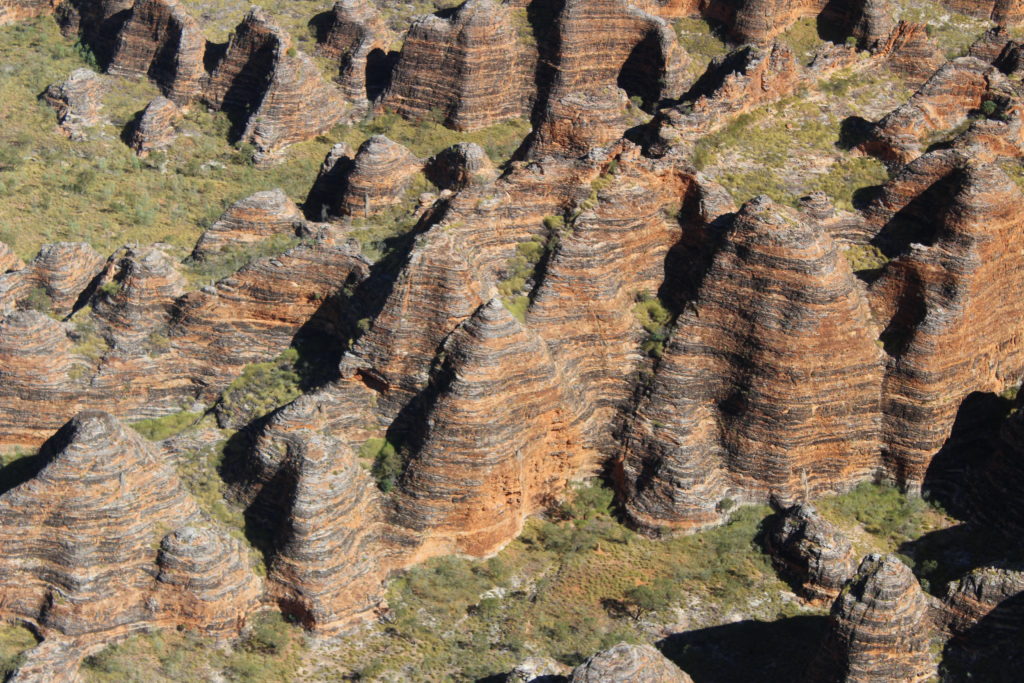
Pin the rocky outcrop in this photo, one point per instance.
(603, 47)
(911, 52)
(327, 569)
(357, 37)
(155, 129)
(20, 10)
(749, 77)
(86, 550)
(1002, 12)
(77, 102)
(941, 306)
(378, 178)
(459, 166)
(480, 466)
(879, 627)
(137, 296)
(60, 272)
(731, 412)
(624, 662)
(160, 40)
(957, 89)
(274, 94)
(97, 22)
(987, 604)
(35, 363)
(262, 215)
(9, 260)
(811, 552)
(463, 65)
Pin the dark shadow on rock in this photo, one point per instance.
(320, 25)
(763, 651)
(863, 196)
(16, 473)
(992, 650)
(946, 555)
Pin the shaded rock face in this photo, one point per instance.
(328, 566)
(879, 628)
(461, 165)
(464, 65)
(992, 501)
(77, 102)
(733, 84)
(357, 37)
(713, 424)
(155, 129)
(97, 21)
(274, 95)
(20, 10)
(602, 46)
(940, 306)
(160, 40)
(80, 543)
(641, 663)
(377, 178)
(482, 466)
(811, 552)
(61, 270)
(253, 219)
(986, 605)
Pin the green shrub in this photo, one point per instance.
(656, 320)
(387, 461)
(160, 428)
(260, 389)
(15, 641)
(38, 299)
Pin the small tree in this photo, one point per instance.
(645, 599)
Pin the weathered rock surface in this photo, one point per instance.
(879, 627)
(328, 568)
(811, 552)
(262, 215)
(155, 129)
(9, 260)
(461, 165)
(732, 414)
(77, 102)
(35, 362)
(97, 22)
(463, 65)
(160, 40)
(274, 94)
(378, 178)
(359, 39)
(20, 10)
(481, 466)
(734, 84)
(641, 663)
(80, 543)
(60, 271)
(955, 90)
(1003, 12)
(940, 304)
(987, 604)
(911, 52)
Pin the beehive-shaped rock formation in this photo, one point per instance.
(463, 65)
(879, 628)
(748, 399)
(460, 165)
(811, 552)
(624, 662)
(265, 214)
(987, 604)
(274, 95)
(77, 102)
(945, 318)
(35, 359)
(155, 129)
(20, 10)
(357, 37)
(328, 568)
(1003, 12)
(143, 285)
(911, 52)
(481, 466)
(160, 40)
(379, 176)
(62, 271)
(81, 542)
